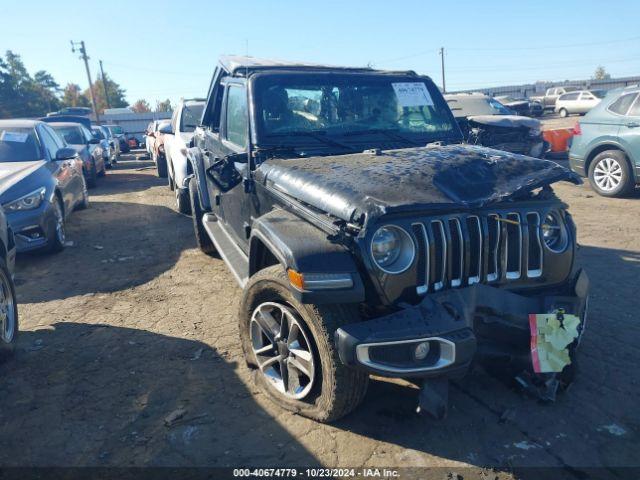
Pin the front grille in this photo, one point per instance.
(467, 249)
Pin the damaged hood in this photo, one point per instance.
(507, 121)
(361, 186)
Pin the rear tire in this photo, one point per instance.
(563, 113)
(8, 313)
(202, 237)
(183, 202)
(610, 174)
(329, 390)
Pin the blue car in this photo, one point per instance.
(606, 144)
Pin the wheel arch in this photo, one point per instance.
(195, 163)
(603, 148)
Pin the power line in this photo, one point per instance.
(153, 70)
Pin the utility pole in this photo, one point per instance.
(444, 87)
(104, 85)
(83, 56)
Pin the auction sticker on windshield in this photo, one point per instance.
(412, 94)
(14, 137)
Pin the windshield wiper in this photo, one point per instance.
(317, 136)
(393, 134)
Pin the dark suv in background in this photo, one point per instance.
(368, 240)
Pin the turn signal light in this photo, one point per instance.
(296, 279)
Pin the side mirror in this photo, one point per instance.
(166, 129)
(94, 141)
(66, 153)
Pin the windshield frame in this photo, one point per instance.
(262, 139)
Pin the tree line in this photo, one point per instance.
(24, 95)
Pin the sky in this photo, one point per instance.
(168, 48)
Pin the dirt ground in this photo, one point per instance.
(132, 323)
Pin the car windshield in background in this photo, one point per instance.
(18, 145)
(191, 115)
(116, 130)
(599, 93)
(351, 105)
(471, 106)
(72, 135)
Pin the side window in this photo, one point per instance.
(635, 109)
(48, 142)
(622, 104)
(87, 134)
(569, 96)
(59, 141)
(217, 109)
(236, 131)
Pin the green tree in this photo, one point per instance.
(20, 94)
(141, 106)
(601, 74)
(115, 91)
(72, 96)
(164, 106)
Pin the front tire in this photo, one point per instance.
(57, 235)
(8, 313)
(84, 203)
(202, 237)
(610, 174)
(291, 346)
(564, 113)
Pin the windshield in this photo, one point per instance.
(72, 135)
(351, 105)
(97, 133)
(470, 106)
(599, 93)
(116, 130)
(191, 115)
(18, 145)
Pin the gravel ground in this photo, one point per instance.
(133, 324)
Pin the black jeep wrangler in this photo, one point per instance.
(369, 240)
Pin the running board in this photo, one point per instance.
(232, 255)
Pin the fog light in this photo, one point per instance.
(421, 351)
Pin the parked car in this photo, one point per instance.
(158, 154)
(107, 153)
(149, 136)
(368, 239)
(186, 117)
(606, 144)
(578, 102)
(485, 121)
(113, 142)
(9, 312)
(87, 146)
(43, 183)
(118, 132)
(84, 111)
(548, 100)
(521, 106)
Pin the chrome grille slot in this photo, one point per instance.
(493, 225)
(475, 249)
(423, 257)
(513, 245)
(439, 254)
(456, 251)
(534, 258)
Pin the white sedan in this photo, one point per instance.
(578, 102)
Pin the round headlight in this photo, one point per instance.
(392, 249)
(554, 233)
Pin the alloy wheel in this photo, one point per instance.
(7, 310)
(282, 349)
(608, 174)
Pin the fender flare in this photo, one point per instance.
(297, 244)
(195, 158)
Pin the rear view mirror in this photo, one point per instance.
(65, 153)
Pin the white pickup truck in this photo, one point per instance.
(185, 119)
(548, 100)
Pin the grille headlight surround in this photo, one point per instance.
(392, 249)
(554, 232)
(30, 201)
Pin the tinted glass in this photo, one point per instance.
(191, 115)
(72, 135)
(59, 141)
(599, 93)
(116, 130)
(569, 96)
(237, 116)
(622, 104)
(49, 143)
(19, 145)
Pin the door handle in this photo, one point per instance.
(633, 124)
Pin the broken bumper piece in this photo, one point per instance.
(440, 336)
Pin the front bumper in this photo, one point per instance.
(32, 228)
(477, 323)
